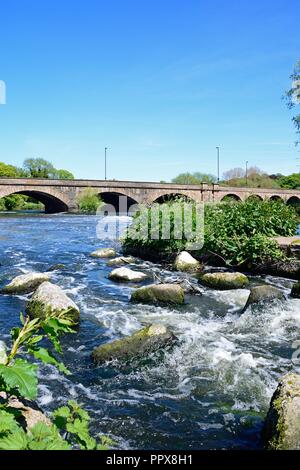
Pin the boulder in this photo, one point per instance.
(185, 262)
(50, 299)
(104, 253)
(159, 293)
(141, 343)
(127, 275)
(224, 281)
(25, 283)
(31, 415)
(295, 292)
(288, 267)
(282, 426)
(263, 293)
(56, 267)
(120, 261)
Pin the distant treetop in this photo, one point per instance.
(34, 168)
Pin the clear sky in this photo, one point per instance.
(161, 83)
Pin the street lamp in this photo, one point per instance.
(247, 173)
(105, 155)
(218, 163)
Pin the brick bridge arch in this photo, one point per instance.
(53, 200)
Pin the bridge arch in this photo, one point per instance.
(231, 197)
(295, 202)
(254, 197)
(52, 202)
(166, 197)
(121, 201)
(275, 197)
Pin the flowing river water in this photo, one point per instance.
(210, 391)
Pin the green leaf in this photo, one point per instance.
(47, 358)
(14, 441)
(81, 432)
(21, 375)
(43, 437)
(7, 422)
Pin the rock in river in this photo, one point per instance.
(282, 426)
(224, 281)
(31, 415)
(141, 343)
(104, 253)
(127, 275)
(185, 262)
(296, 290)
(159, 293)
(121, 260)
(25, 283)
(50, 299)
(263, 293)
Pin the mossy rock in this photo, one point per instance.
(25, 283)
(159, 293)
(126, 275)
(50, 299)
(295, 292)
(186, 263)
(141, 343)
(57, 267)
(224, 281)
(121, 260)
(104, 253)
(282, 426)
(295, 242)
(264, 293)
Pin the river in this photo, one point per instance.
(211, 391)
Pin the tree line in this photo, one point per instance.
(34, 168)
(236, 177)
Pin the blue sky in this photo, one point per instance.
(159, 82)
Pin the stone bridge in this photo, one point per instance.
(63, 195)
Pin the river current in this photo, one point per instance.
(211, 391)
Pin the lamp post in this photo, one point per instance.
(247, 173)
(105, 156)
(218, 163)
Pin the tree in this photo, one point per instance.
(234, 173)
(293, 95)
(194, 178)
(256, 178)
(205, 177)
(290, 182)
(39, 168)
(8, 171)
(63, 175)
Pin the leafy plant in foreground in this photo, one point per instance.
(18, 378)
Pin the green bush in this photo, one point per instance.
(89, 201)
(236, 233)
(15, 202)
